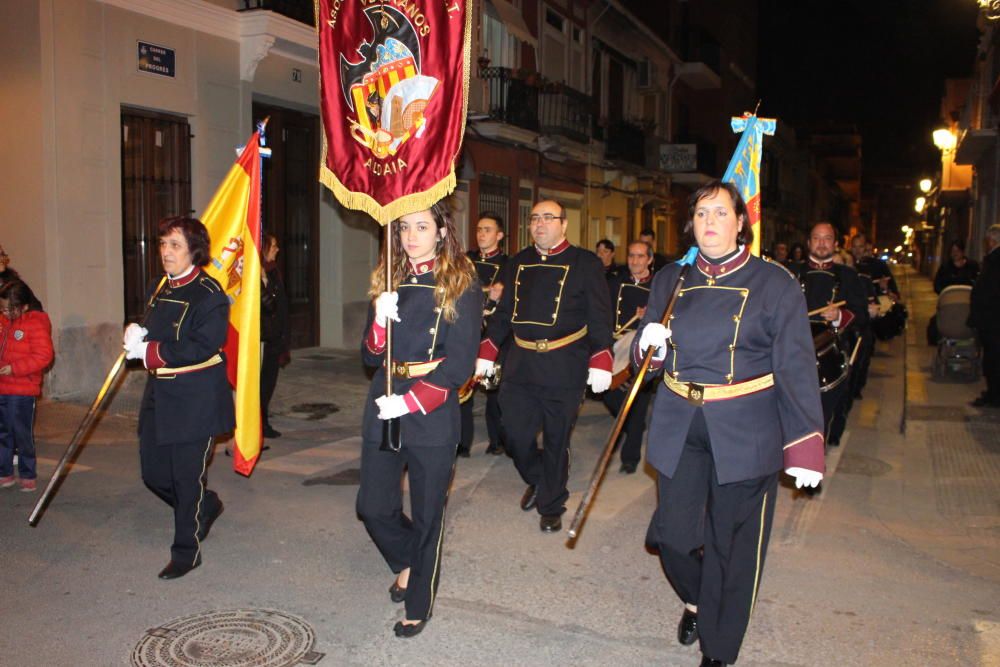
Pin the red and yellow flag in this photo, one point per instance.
(233, 222)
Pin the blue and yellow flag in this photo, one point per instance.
(744, 167)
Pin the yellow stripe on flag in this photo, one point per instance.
(233, 222)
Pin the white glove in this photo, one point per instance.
(391, 406)
(133, 334)
(136, 349)
(599, 380)
(804, 477)
(655, 334)
(386, 308)
(485, 368)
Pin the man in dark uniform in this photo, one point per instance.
(490, 263)
(738, 402)
(647, 235)
(629, 295)
(984, 317)
(867, 267)
(557, 309)
(826, 282)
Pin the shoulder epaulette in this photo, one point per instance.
(209, 283)
(780, 266)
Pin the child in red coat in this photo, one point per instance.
(25, 353)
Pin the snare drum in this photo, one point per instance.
(831, 358)
(621, 369)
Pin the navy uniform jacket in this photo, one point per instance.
(875, 268)
(187, 324)
(735, 322)
(423, 334)
(489, 268)
(549, 296)
(829, 282)
(627, 296)
(984, 311)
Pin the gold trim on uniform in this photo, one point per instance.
(546, 345)
(697, 394)
(180, 370)
(737, 318)
(414, 369)
(558, 299)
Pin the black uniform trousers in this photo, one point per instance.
(635, 423)
(269, 367)
(406, 542)
(530, 409)
(494, 427)
(176, 472)
(990, 340)
(859, 371)
(836, 404)
(712, 540)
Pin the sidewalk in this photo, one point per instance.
(898, 560)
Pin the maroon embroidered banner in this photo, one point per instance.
(394, 80)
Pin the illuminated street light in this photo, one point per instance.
(944, 139)
(906, 229)
(898, 248)
(919, 205)
(925, 184)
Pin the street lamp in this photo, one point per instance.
(919, 205)
(944, 139)
(925, 185)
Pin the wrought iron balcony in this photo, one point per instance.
(297, 10)
(511, 99)
(565, 111)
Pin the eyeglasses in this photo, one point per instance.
(547, 217)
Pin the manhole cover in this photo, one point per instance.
(313, 411)
(231, 638)
(855, 464)
(346, 477)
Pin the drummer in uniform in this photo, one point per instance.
(867, 267)
(629, 295)
(824, 283)
(557, 309)
(737, 403)
(490, 263)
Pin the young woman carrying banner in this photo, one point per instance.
(437, 301)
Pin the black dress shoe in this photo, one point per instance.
(175, 570)
(495, 449)
(529, 499)
(550, 523)
(397, 593)
(207, 526)
(406, 631)
(464, 453)
(628, 467)
(709, 662)
(687, 629)
(271, 433)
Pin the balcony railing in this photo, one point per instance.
(565, 111)
(625, 141)
(511, 99)
(527, 100)
(297, 10)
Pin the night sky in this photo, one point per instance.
(879, 64)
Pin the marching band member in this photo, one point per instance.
(490, 262)
(557, 309)
(629, 295)
(738, 401)
(826, 282)
(187, 401)
(438, 303)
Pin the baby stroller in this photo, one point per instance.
(957, 348)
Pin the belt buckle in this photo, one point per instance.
(696, 394)
(542, 345)
(401, 370)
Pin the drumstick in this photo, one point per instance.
(819, 310)
(626, 325)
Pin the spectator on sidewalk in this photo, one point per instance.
(957, 269)
(984, 317)
(25, 353)
(275, 334)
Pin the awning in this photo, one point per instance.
(512, 19)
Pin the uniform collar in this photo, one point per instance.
(184, 278)
(641, 281)
(814, 263)
(735, 262)
(488, 255)
(422, 267)
(554, 250)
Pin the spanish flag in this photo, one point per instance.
(744, 167)
(233, 222)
